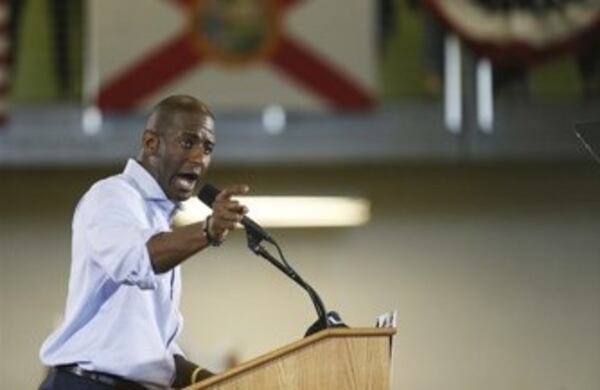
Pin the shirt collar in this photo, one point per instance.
(147, 184)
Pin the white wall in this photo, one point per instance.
(494, 271)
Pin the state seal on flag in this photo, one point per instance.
(236, 31)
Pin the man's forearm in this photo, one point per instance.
(169, 249)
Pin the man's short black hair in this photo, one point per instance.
(161, 116)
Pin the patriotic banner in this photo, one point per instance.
(235, 54)
(514, 32)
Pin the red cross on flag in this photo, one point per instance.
(235, 54)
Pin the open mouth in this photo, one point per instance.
(186, 181)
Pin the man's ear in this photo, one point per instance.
(150, 142)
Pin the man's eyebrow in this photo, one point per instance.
(189, 132)
(201, 136)
(194, 133)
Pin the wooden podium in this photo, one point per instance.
(340, 358)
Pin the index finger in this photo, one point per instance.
(236, 189)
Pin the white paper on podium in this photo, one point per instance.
(389, 320)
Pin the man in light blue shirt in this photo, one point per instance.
(122, 316)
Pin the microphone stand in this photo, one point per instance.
(254, 243)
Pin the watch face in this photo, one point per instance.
(589, 134)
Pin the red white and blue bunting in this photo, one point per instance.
(511, 32)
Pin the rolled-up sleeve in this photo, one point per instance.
(117, 231)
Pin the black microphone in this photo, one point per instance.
(207, 195)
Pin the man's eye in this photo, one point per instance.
(187, 144)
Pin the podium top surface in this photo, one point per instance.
(324, 334)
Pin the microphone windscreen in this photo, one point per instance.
(207, 194)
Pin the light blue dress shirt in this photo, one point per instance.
(121, 317)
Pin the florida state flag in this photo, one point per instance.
(236, 54)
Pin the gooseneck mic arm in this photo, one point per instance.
(256, 235)
(254, 243)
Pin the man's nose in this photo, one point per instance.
(197, 155)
